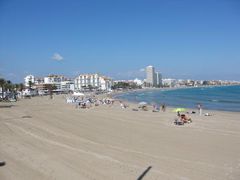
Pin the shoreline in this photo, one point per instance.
(122, 93)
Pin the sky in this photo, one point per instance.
(183, 39)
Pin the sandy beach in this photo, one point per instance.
(50, 139)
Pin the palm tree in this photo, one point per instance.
(9, 85)
(16, 86)
(2, 84)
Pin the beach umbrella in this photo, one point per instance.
(142, 103)
(179, 110)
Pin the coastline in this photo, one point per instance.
(119, 94)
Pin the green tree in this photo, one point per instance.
(125, 85)
(30, 83)
(122, 85)
(16, 86)
(9, 86)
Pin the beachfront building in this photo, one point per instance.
(51, 79)
(54, 80)
(127, 84)
(41, 88)
(153, 79)
(169, 82)
(38, 80)
(92, 81)
(138, 82)
(59, 82)
(29, 80)
(61, 87)
(67, 85)
(105, 83)
(159, 79)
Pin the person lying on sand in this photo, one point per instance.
(184, 118)
(207, 114)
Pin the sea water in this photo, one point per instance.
(226, 98)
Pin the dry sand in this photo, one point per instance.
(49, 139)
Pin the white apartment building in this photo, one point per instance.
(67, 85)
(169, 82)
(38, 80)
(95, 81)
(59, 81)
(27, 79)
(51, 79)
(138, 81)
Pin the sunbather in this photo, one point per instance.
(185, 119)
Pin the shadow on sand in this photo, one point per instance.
(2, 163)
(6, 106)
(144, 173)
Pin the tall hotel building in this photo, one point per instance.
(153, 79)
(151, 76)
(159, 79)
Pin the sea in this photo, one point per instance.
(224, 98)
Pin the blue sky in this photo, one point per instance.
(181, 38)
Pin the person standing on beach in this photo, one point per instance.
(163, 107)
(199, 109)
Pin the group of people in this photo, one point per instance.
(83, 102)
(182, 119)
(157, 108)
(96, 102)
(123, 105)
(87, 102)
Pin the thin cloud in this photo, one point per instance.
(57, 57)
(142, 70)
